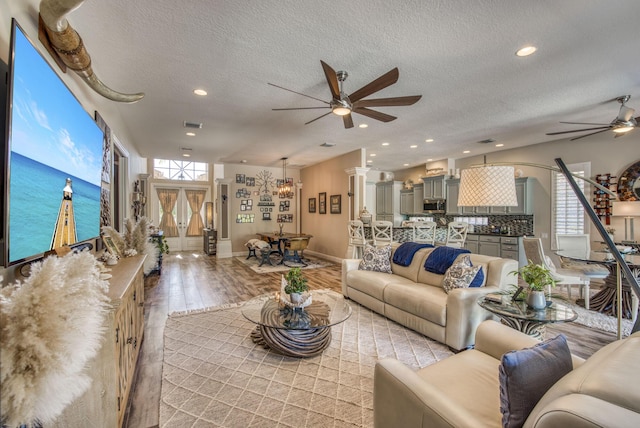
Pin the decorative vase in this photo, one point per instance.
(296, 298)
(536, 300)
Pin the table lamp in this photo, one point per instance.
(628, 210)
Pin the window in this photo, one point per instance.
(567, 213)
(180, 170)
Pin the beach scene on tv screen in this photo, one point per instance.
(52, 139)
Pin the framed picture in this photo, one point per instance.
(240, 178)
(312, 205)
(334, 203)
(110, 245)
(322, 203)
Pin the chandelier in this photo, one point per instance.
(285, 190)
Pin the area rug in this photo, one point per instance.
(312, 263)
(214, 375)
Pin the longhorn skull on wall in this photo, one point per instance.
(66, 47)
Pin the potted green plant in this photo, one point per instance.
(538, 277)
(296, 285)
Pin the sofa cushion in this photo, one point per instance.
(413, 270)
(377, 259)
(461, 274)
(527, 374)
(421, 300)
(372, 283)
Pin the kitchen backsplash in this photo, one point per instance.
(499, 224)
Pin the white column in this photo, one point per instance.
(357, 195)
(223, 208)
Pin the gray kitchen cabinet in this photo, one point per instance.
(418, 198)
(471, 243)
(434, 187)
(453, 187)
(406, 202)
(388, 201)
(489, 245)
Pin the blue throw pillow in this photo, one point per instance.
(527, 374)
(479, 279)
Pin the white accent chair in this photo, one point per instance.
(382, 232)
(564, 277)
(357, 240)
(424, 232)
(457, 234)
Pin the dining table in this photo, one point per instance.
(278, 239)
(606, 300)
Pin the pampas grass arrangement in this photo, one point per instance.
(135, 237)
(51, 326)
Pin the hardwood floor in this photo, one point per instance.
(193, 280)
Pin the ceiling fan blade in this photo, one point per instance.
(332, 79)
(387, 79)
(348, 121)
(585, 123)
(604, 128)
(593, 133)
(297, 108)
(319, 117)
(299, 93)
(373, 114)
(394, 101)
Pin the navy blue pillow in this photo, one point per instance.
(478, 280)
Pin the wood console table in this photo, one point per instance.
(112, 370)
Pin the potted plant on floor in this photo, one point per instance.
(538, 278)
(296, 285)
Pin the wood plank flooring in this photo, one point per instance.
(193, 280)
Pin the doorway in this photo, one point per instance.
(179, 211)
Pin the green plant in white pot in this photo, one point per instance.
(538, 277)
(296, 285)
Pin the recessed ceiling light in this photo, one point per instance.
(500, 145)
(526, 51)
(186, 155)
(200, 92)
(363, 125)
(406, 164)
(413, 146)
(467, 151)
(385, 144)
(191, 134)
(372, 154)
(429, 160)
(243, 161)
(429, 140)
(369, 161)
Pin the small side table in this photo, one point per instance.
(210, 237)
(519, 316)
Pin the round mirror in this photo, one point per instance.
(629, 183)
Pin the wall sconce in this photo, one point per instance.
(208, 214)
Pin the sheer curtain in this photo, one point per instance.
(168, 198)
(195, 198)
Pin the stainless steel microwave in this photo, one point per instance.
(434, 206)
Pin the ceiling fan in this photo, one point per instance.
(343, 105)
(621, 125)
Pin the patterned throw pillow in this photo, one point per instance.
(377, 259)
(460, 274)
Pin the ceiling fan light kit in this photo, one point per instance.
(343, 105)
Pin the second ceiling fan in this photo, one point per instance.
(343, 105)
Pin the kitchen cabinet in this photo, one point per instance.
(434, 187)
(406, 202)
(511, 247)
(471, 243)
(524, 193)
(489, 245)
(388, 201)
(418, 198)
(453, 187)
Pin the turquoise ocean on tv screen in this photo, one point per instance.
(31, 227)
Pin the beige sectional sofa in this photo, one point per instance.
(415, 298)
(464, 390)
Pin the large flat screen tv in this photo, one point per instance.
(52, 159)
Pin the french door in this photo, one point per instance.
(179, 212)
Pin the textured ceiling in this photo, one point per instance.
(459, 55)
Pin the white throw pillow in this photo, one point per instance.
(377, 259)
(460, 274)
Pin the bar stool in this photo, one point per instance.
(356, 239)
(457, 234)
(424, 232)
(382, 232)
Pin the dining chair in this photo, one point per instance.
(293, 248)
(564, 277)
(357, 240)
(457, 234)
(382, 232)
(424, 232)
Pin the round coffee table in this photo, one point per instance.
(299, 332)
(520, 317)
